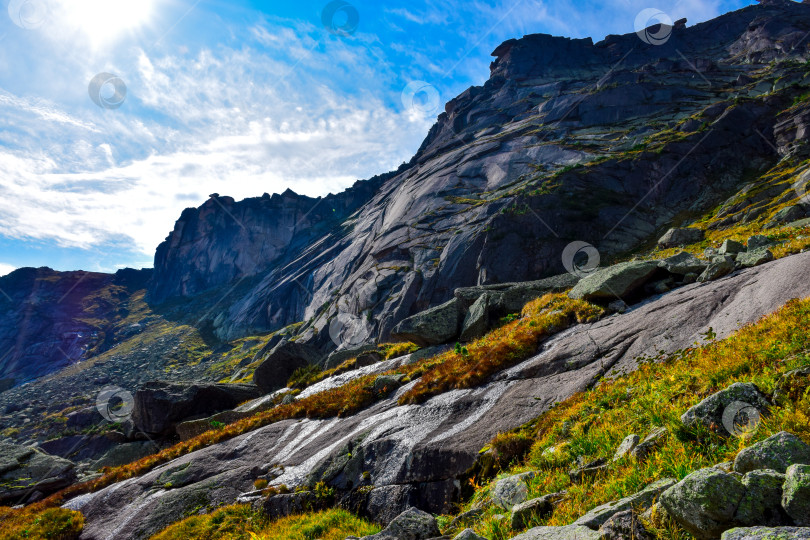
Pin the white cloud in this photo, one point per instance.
(6, 269)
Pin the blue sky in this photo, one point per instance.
(238, 98)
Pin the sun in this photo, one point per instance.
(105, 20)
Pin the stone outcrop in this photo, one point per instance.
(27, 474)
(278, 365)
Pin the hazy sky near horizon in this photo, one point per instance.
(193, 97)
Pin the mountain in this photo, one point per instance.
(617, 148)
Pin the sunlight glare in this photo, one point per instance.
(103, 20)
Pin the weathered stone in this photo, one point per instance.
(468, 534)
(683, 263)
(786, 215)
(731, 247)
(432, 327)
(588, 470)
(777, 452)
(680, 237)
(618, 281)
(280, 363)
(535, 508)
(158, 405)
(476, 322)
(511, 490)
(624, 525)
(704, 502)
(644, 498)
(369, 358)
(412, 524)
(628, 445)
(26, 470)
(385, 384)
(569, 532)
(649, 444)
(341, 355)
(796, 494)
(750, 259)
(767, 533)
(710, 412)
(757, 242)
(464, 518)
(762, 502)
(717, 269)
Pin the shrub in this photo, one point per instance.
(51, 524)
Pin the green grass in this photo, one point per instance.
(240, 522)
(591, 425)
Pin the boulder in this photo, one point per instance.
(385, 384)
(628, 445)
(468, 534)
(535, 508)
(767, 533)
(786, 215)
(281, 362)
(432, 327)
(385, 503)
(731, 247)
(762, 502)
(569, 532)
(123, 454)
(796, 494)
(734, 399)
(683, 263)
(619, 281)
(511, 490)
(719, 267)
(476, 322)
(412, 524)
(680, 237)
(508, 298)
(588, 470)
(704, 503)
(649, 444)
(644, 498)
(750, 259)
(369, 358)
(24, 471)
(158, 405)
(777, 452)
(341, 355)
(624, 525)
(758, 241)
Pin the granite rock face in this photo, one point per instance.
(472, 207)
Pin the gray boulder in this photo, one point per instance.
(777, 452)
(468, 534)
(627, 445)
(281, 362)
(511, 490)
(786, 215)
(476, 322)
(283, 505)
(649, 444)
(683, 263)
(681, 237)
(731, 247)
(27, 471)
(624, 525)
(750, 259)
(126, 453)
(618, 281)
(341, 355)
(432, 327)
(508, 298)
(796, 494)
(385, 384)
(719, 267)
(758, 241)
(569, 532)
(704, 503)
(762, 502)
(536, 508)
(644, 498)
(710, 412)
(412, 524)
(767, 533)
(158, 405)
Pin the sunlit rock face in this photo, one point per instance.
(552, 148)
